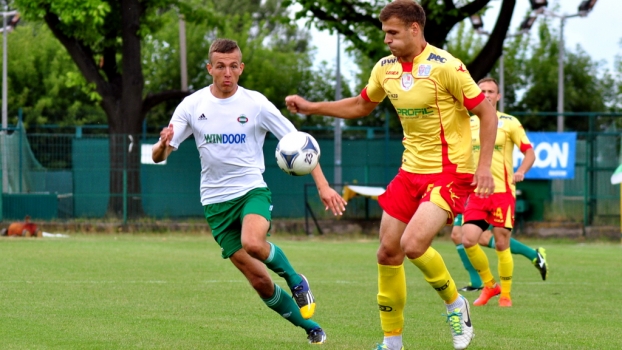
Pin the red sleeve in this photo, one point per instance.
(471, 103)
(524, 147)
(364, 95)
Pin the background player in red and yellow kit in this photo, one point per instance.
(432, 92)
(498, 209)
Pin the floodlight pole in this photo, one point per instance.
(5, 123)
(182, 53)
(5, 28)
(560, 66)
(501, 83)
(337, 174)
(560, 77)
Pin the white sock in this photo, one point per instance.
(456, 304)
(393, 342)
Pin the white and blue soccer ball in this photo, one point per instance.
(297, 153)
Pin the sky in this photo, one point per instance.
(597, 33)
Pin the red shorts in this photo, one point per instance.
(407, 190)
(497, 210)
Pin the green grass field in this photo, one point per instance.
(175, 292)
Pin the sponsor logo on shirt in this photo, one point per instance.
(392, 96)
(461, 69)
(407, 81)
(496, 148)
(202, 117)
(225, 138)
(424, 70)
(388, 61)
(413, 112)
(393, 72)
(435, 57)
(242, 119)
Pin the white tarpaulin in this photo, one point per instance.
(350, 191)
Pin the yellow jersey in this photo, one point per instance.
(432, 96)
(510, 132)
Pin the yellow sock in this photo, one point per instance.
(435, 272)
(506, 269)
(391, 298)
(480, 263)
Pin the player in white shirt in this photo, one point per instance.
(229, 125)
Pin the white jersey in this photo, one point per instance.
(229, 134)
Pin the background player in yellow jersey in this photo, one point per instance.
(498, 209)
(432, 92)
(536, 256)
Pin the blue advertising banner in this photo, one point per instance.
(555, 155)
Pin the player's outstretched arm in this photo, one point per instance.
(162, 149)
(482, 179)
(331, 199)
(530, 158)
(347, 108)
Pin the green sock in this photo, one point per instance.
(517, 247)
(277, 262)
(491, 243)
(476, 281)
(285, 306)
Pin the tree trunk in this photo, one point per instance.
(124, 126)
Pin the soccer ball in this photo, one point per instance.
(297, 153)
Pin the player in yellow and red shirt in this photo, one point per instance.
(432, 93)
(498, 209)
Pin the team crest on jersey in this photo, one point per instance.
(407, 81)
(242, 119)
(500, 125)
(424, 70)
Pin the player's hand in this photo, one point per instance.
(485, 184)
(332, 200)
(166, 135)
(518, 177)
(297, 104)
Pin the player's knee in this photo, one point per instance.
(256, 248)
(390, 255)
(471, 231)
(456, 235)
(484, 238)
(412, 249)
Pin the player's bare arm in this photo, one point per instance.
(162, 149)
(347, 108)
(331, 199)
(530, 158)
(482, 179)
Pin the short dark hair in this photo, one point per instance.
(224, 46)
(489, 80)
(408, 11)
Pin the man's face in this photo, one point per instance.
(491, 92)
(226, 69)
(399, 37)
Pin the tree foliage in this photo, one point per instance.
(358, 22)
(105, 40)
(45, 83)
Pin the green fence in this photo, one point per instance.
(74, 168)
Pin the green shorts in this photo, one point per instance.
(225, 219)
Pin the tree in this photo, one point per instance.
(585, 87)
(104, 37)
(358, 22)
(45, 83)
